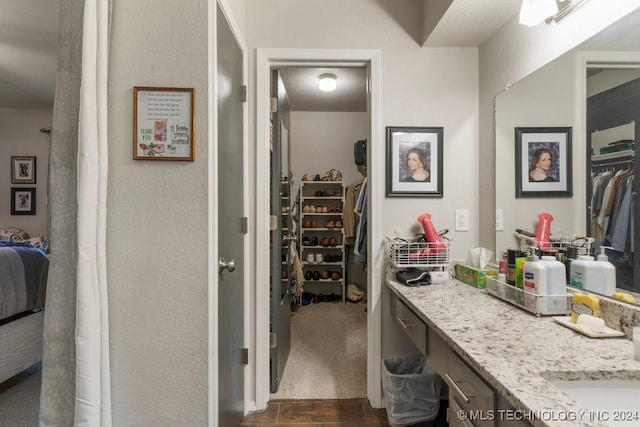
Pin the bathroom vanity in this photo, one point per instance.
(500, 363)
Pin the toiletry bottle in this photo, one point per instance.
(582, 270)
(570, 256)
(535, 283)
(519, 273)
(556, 287)
(608, 283)
(511, 266)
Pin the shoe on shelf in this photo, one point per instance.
(324, 275)
(311, 259)
(305, 209)
(328, 258)
(312, 209)
(306, 224)
(337, 258)
(316, 275)
(306, 241)
(325, 209)
(333, 242)
(338, 224)
(319, 258)
(328, 176)
(317, 177)
(335, 275)
(338, 176)
(325, 241)
(314, 224)
(314, 241)
(308, 275)
(329, 224)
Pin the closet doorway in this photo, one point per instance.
(320, 311)
(368, 62)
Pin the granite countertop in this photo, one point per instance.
(516, 352)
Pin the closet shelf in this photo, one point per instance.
(613, 156)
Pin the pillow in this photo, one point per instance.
(39, 242)
(14, 234)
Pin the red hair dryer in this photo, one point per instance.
(436, 245)
(544, 230)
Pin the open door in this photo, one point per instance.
(281, 235)
(231, 225)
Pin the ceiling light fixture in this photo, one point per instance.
(533, 12)
(327, 82)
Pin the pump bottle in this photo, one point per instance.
(608, 273)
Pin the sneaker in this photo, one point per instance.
(319, 257)
(311, 259)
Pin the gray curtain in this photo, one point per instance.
(57, 402)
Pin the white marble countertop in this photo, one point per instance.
(516, 352)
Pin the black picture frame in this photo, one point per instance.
(23, 201)
(543, 162)
(23, 169)
(407, 144)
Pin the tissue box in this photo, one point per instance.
(474, 276)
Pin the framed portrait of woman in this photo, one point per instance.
(543, 162)
(414, 161)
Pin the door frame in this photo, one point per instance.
(266, 59)
(212, 180)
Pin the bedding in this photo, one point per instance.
(23, 278)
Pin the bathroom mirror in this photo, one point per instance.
(556, 96)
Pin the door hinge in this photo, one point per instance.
(244, 227)
(245, 356)
(244, 93)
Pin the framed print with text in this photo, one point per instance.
(164, 123)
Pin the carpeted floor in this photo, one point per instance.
(328, 358)
(20, 398)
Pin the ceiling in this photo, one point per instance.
(29, 28)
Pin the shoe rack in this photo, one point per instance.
(321, 236)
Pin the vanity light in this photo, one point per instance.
(533, 12)
(327, 82)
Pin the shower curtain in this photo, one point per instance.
(76, 387)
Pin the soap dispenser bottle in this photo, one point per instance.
(535, 282)
(608, 272)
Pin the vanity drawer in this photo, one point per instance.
(411, 324)
(470, 391)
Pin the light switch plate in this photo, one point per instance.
(462, 220)
(499, 220)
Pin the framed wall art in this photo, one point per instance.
(163, 123)
(543, 162)
(23, 201)
(414, 161)
(23, 170)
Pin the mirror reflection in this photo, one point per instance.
(602, 209)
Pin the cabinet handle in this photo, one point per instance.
(404, 325)
(453, 384)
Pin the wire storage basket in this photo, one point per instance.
(583, 245)
(416, 252)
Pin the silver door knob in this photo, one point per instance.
(222, 265)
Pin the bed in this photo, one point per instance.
(23, 282)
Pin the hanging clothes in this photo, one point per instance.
(349, 218)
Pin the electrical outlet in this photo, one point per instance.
(462, 220)
(499, 220)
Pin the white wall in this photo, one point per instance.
(322, 140)
(157, 223)
(20, 136)
(511, 54)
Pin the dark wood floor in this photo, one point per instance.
(320, 413)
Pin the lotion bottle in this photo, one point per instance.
(534, 283)
(556, 287)
(608, 273)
